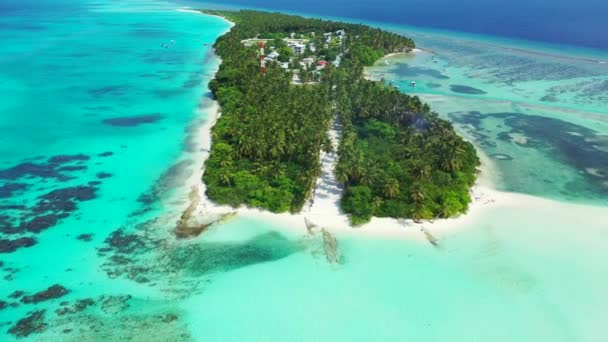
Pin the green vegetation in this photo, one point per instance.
(396, 157)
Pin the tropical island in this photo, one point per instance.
(396, 157)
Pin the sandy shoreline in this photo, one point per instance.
(326, 213)
(393, 54)
(190, 10)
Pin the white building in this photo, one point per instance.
(273, 56)
(308, 61)
(297, 48)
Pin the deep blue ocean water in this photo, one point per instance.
(581, 23)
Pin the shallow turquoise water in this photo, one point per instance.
(517, 273)
(541, 117)
(92, 87)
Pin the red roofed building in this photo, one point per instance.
(322, 63)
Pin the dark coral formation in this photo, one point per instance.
(56, 205)
(63, 159)
(78, 306)
(46, 213)
(40, 223)
(6, 224)
(52, 292)
(201, 259)
(466, 90)
(102, 175)
(110, 320)
(106, 154)
(115, 322)
(573, 145)
(49, 208)
(64, 199)
(85, 237)
(7, 190)
(121, 242)
(114, 304)
(31, 324)
(32, 170)
(72, 168)
(11, 207)
(9, 273)
(9, 246)
(131, 121)
(122, 245)
(16, 294)
(129, 255)
(54, 168)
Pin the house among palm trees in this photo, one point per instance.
(297, 48)
(272, 56)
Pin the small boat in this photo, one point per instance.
(172, 42)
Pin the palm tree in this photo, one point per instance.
(366, 177)
(391, 188)
(278, 169)
(341, 174)
(417, 195)
(376, 202)
(225, 178)
(406, 138)
(225, 162)
(452, 157)
(421, 170)
(418, 212)
(444, 211)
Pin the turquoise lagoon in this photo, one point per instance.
(98, 114)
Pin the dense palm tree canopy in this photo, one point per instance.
(396, 157)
